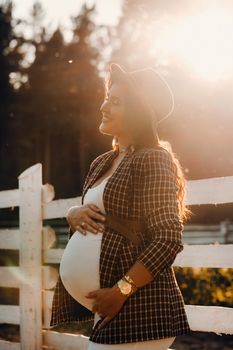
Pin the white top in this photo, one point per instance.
(95, 195)
(79, 266)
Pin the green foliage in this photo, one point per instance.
(205, 286)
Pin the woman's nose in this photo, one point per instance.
(104, 107)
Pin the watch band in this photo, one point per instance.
(127, 286)
(129, 280)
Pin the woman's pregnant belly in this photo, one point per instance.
(79, 266)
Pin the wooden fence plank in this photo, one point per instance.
(205, 191)
(210, 191)
(7, 345)
(215, 319)
(30, 186)
(201, 318)
(52, 256)
(47, 297)
(9, 198)
(10, 238)
(58, 208)
(10, 277)
(48, 193)
(9, 314)
(49, 277)
(49, 237)
(211, 255)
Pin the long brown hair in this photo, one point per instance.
(144, 135)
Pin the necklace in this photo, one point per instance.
(124, 149)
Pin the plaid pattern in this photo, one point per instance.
(142, 187)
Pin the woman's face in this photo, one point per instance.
(113, 110)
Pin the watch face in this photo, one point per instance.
(124, 287)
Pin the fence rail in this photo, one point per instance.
(37, 281)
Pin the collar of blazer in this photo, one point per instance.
(100, 166)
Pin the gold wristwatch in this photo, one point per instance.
(126, 285)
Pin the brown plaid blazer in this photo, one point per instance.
(143, 187)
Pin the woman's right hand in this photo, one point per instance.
(87, 214)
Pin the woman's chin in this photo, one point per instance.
(106, 129)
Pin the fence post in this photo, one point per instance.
(30, 260)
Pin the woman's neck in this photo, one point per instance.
(123, 143)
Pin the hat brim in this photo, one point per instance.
(117, 71)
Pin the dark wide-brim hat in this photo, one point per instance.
(150, 87)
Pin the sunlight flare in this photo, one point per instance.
(203, 42)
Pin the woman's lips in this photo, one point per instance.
(106, 118)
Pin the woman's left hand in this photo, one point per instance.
(107, 303)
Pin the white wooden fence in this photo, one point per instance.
(36, 282)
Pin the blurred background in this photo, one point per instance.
(54, 56)
(53, 59)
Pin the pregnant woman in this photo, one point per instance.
(117, 266)
(87, 247)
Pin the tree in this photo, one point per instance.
(10, 58)
(64, 93)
